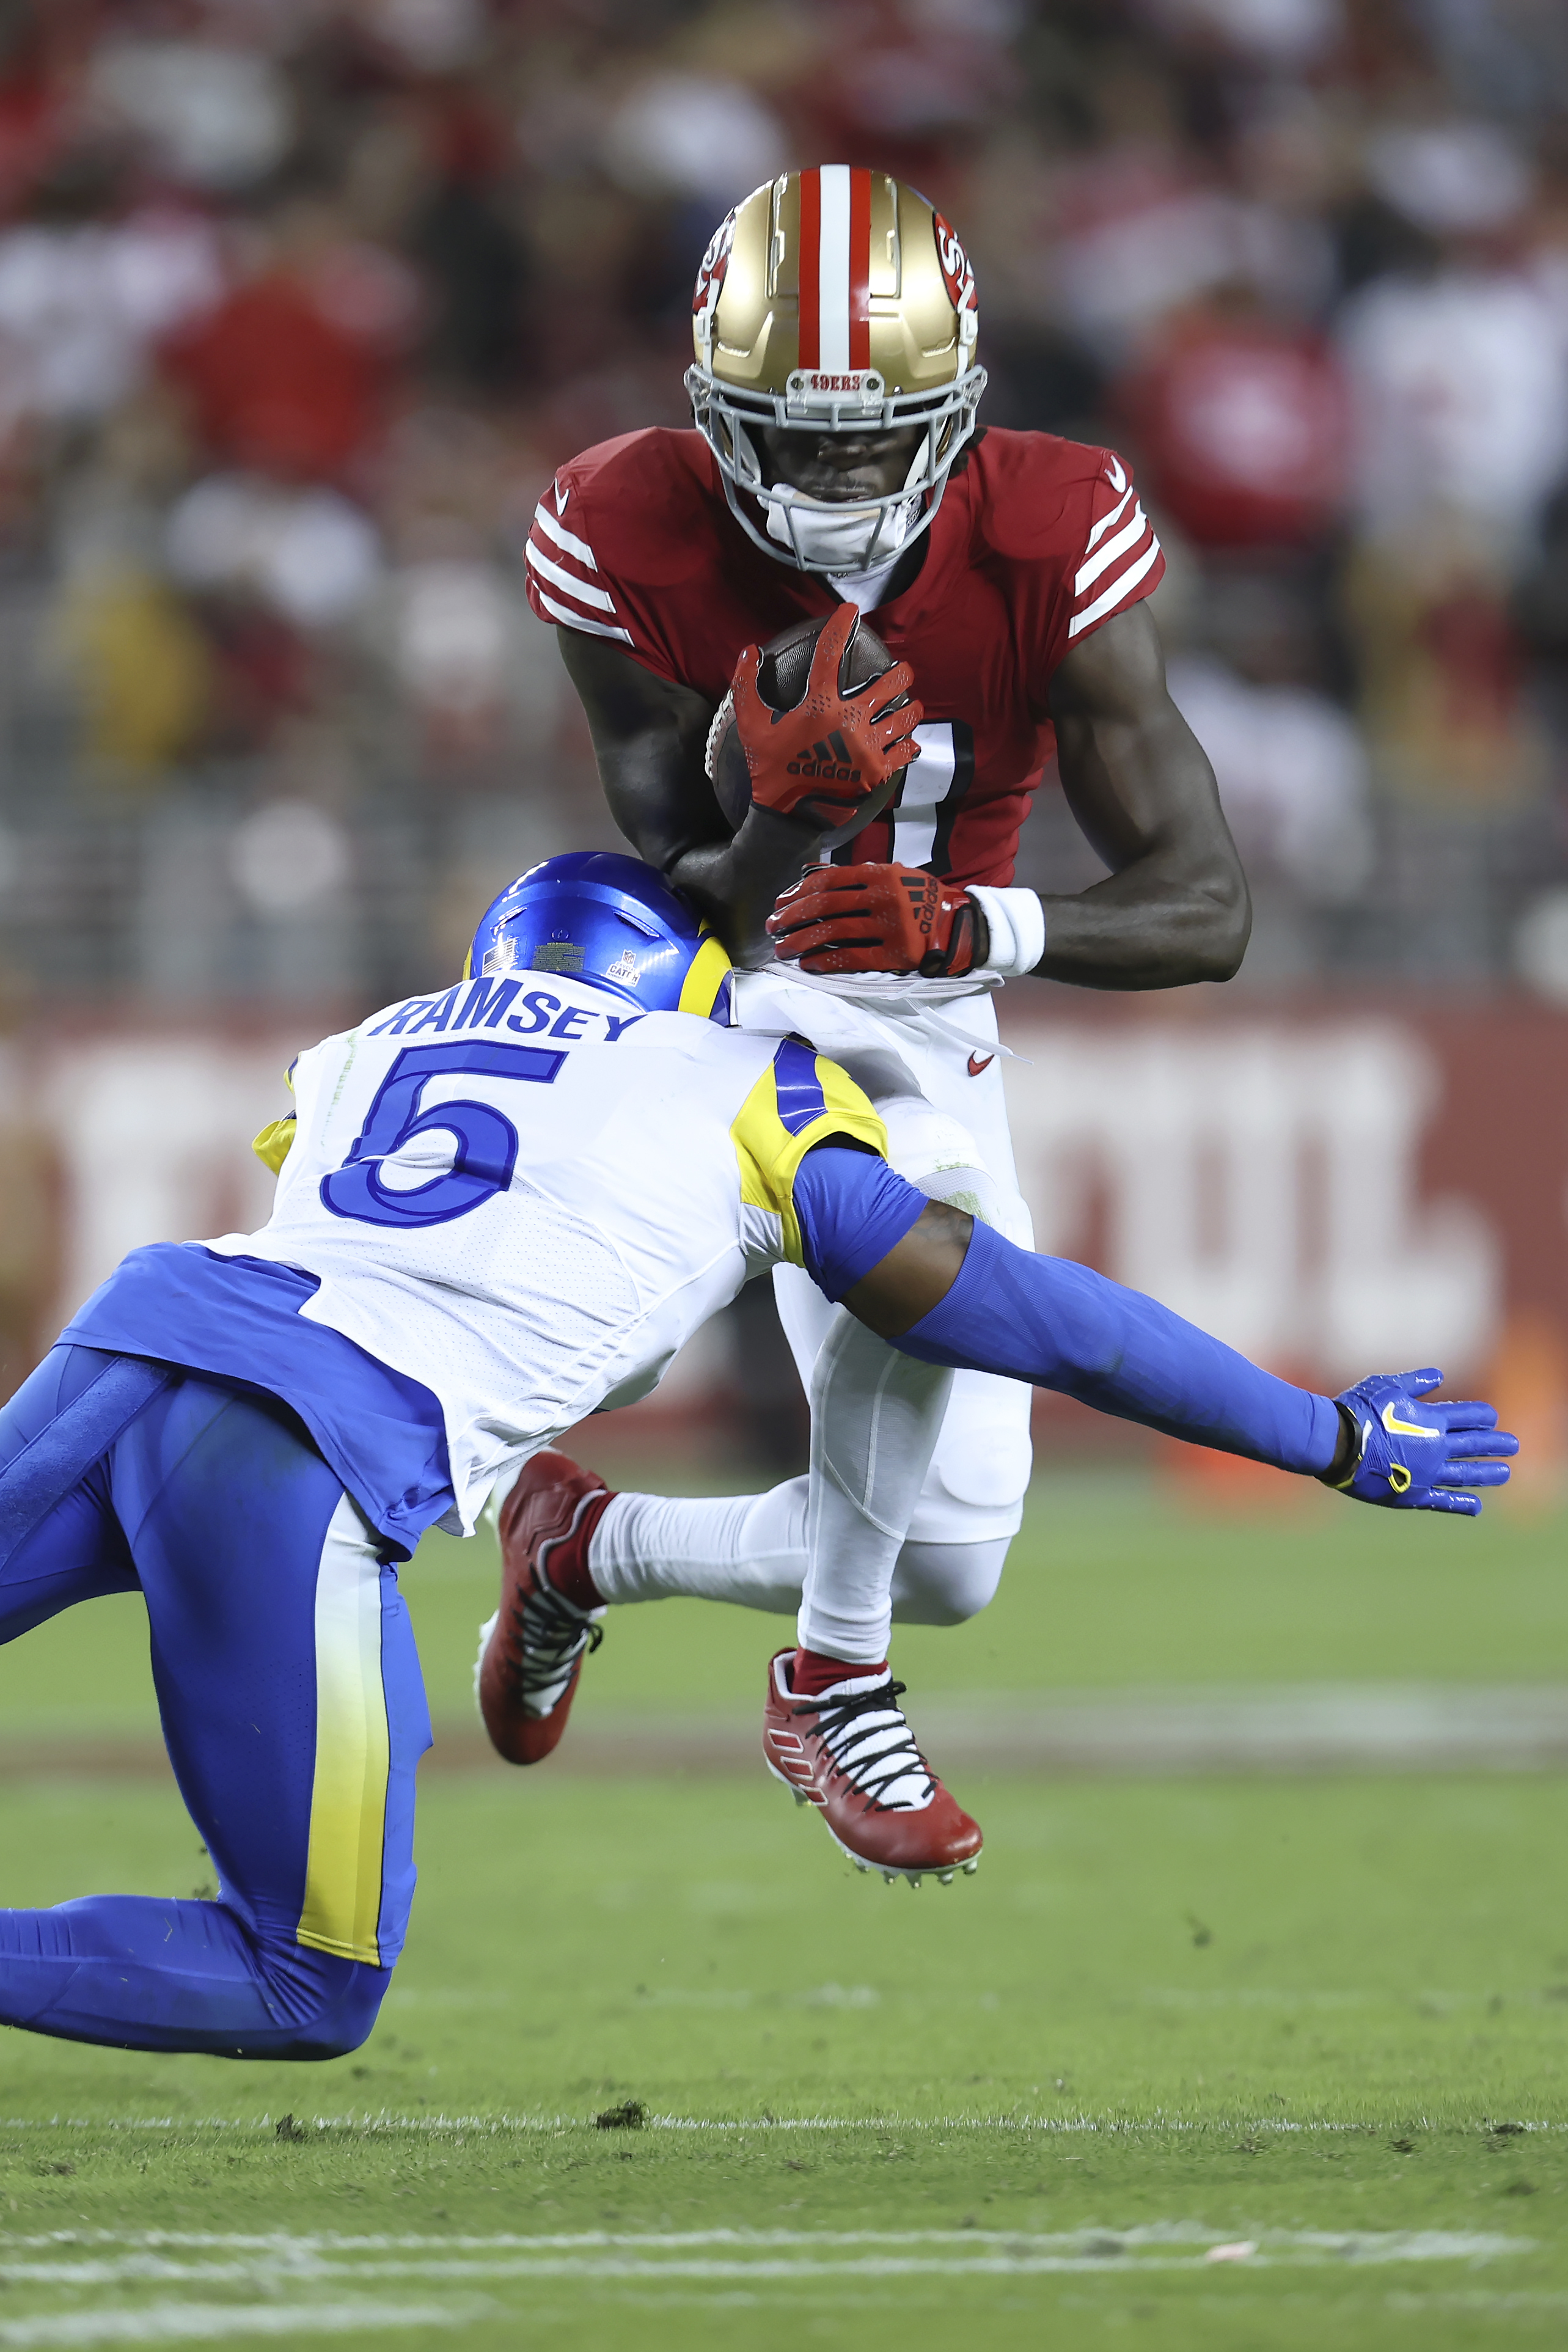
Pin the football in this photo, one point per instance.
(786, 665)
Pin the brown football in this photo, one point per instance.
(780, 681)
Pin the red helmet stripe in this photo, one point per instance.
(810, 269)
(860, 268)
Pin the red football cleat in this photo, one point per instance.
(531, 1651)
(850, 1752)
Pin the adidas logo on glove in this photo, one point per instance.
(829, 761)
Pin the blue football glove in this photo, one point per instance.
(1416, 1456)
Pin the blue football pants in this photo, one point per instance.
(291, 1702)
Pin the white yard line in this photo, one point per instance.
(207, 2322)
(492, 2127)
(803, 2271)
(148, 2255)
(172, 2323)
(281, 2270)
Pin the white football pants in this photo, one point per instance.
(917, 1474)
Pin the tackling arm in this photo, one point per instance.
(649, 740)
(944, 1288)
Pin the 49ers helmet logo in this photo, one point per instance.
(957, 275)
(710, 275)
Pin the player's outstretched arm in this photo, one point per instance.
(950, 1291)
(1174, 907)
(650, 739)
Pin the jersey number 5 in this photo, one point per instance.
(487, 1143)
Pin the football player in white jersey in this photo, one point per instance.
(500, 1207)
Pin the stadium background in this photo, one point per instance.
(300, 303)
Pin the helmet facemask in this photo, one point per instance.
(820, 535)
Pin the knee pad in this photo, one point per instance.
(945, 1583)
(347, 2020)
(327, 2006)
(974, 1491)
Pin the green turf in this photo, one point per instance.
(1111, 1583)
(1194, 1970)
(1252, 2008)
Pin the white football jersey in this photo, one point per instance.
(526, 1199)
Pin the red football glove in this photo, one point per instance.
(817, 761)
(877, 919)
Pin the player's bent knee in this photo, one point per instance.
(325, 2006)
(346, 2019)
(946, 1584)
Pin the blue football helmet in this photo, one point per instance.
(612, 922)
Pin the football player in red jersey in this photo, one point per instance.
(837, 468)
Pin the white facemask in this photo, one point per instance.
(837, 537)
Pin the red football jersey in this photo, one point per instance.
(1036, 542)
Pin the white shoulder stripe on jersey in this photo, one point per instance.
(1125, 539)
(568, 539)
(581, 621)
(583, 590)
(1116, 589)
(1103, 525)
(833, 265)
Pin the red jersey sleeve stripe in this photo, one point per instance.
(549, 608)
(1121, 589)
(809, 305)
(859, 267)
(1107, 521)
(598, 600)
(554, 527)
(1126, 539)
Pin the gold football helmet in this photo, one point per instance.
(833, 300)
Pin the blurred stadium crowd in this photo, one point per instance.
(301, 301)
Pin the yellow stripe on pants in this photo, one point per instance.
(348, 1799)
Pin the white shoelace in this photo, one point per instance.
(868, 1737)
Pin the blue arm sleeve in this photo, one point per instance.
(852, 1209)
(1059, 1325)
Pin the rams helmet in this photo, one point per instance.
(612, 921)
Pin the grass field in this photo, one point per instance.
(1240, 2061)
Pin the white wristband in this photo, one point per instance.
(1016, 922)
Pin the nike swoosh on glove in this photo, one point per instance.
(877, 919)
(818, 760)
(1414, 1454)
